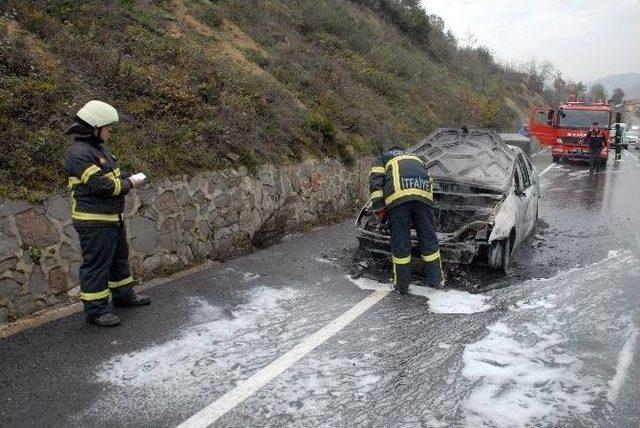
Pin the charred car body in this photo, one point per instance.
(485, 198)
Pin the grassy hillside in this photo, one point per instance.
(202, 84)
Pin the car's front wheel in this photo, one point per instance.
(499, 254)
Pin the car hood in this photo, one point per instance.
(478, 158)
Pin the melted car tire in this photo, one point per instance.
(499, 254)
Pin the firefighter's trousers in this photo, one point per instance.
(401, 220)
(594, 158)
(105, 266)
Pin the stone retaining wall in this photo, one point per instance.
(172, 224)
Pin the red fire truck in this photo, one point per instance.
(564, 129)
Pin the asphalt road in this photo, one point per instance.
(554, 344)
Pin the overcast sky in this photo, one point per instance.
(585, 39)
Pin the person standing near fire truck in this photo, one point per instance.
(596, 139)
(618, 142)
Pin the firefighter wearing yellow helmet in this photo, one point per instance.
(98, 188)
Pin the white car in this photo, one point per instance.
(485, 198)
(633, 136)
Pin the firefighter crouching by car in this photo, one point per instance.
(401, 189)
(98, 189)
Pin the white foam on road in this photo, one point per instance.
(326, 261)
(247, 387)
(369, 284)
(308, 393)
(440, 301)
(523, 378)
(625, 358)
(579, 174)
(246, 276)
(528, 371)
(523, 305)
(175, 363)
(166, 377)
(250, 276)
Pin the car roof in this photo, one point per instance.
(478, 157)
(514, 137)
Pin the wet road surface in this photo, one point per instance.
(282, 336)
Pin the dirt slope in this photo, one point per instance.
(201, 84)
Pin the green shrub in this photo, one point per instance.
(323, 125)
(212, 16)
(248, 159)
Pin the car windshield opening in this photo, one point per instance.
(583, 118)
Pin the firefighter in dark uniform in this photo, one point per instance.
(98, 189)
(595, 138)
(401, 190)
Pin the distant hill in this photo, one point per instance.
(633, 91)
(204, 84)
(628, 82)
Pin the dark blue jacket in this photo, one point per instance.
(397, 177)
(97, 185)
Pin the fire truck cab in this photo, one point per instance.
(564, 129)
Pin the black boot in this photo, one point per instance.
(400, 291)
(104, 320)
(132, 300)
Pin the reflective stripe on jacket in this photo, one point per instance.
(397, 177)
(96, 182)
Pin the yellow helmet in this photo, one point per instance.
(98, 114)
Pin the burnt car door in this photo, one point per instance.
(528, 195)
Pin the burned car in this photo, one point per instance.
(485, 198)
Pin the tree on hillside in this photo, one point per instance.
(408, 15)
(618, 96)
(538, 73)
(559, 83)
(558, 91)
(580, 89)
(598, 92)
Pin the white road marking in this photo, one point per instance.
(547, 169)
(633, 156)
(625, 358)
(250, 386)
